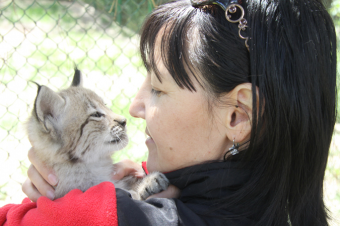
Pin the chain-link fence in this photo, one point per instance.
(42, 40)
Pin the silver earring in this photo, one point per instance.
(234, 149)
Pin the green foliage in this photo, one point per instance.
(127, 13)
(335, 13)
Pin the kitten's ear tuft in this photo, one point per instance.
(48, 106)
(77, 78)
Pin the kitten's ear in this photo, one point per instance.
(77, 78)
(48, 106)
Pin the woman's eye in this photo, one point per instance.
(97, 115)
(156, 92)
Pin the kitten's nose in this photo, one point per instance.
(121, 122)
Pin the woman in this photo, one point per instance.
(239, 110)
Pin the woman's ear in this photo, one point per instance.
(238, 120)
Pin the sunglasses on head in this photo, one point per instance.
(230, 7)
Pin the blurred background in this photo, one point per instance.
(42, 40)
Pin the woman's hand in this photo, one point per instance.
(40, 181)
(171, 192)
(127, 167)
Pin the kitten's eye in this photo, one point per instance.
(97, 115)
(156, 92)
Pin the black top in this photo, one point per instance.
(202, 186)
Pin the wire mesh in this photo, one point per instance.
(41, 41)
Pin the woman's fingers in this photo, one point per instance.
(127, 167)
(30, 190)
(171, 192)
(46, 173)
(41, 179)
(37, 184)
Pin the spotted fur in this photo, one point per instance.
(73, 132)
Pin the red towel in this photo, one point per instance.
(96, 206)
(144, 168)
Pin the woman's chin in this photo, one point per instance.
(151, 166)
(152, 161)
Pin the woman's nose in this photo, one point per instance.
(137, 107)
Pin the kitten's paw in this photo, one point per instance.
(152, 184)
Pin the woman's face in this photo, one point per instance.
(182, 132)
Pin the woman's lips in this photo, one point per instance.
(149, 140)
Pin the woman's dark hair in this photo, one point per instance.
(292, 61)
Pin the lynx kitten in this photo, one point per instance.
(73, 132)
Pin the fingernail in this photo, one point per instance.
(50, 194)
(114, 173)
(139, 174)
(52, 179)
